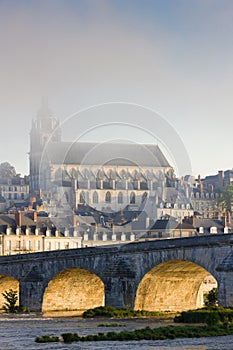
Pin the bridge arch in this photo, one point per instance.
(174, 285)
(6, 283)
(73, 289)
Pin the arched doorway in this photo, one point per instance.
(73, 289)
(175, 285)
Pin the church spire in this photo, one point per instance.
(45, 129)
(44, 111)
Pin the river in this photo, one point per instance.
(18, 332)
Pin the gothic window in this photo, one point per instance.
(108, 197)
(132, 198)
(73, 173)
(95, 197)
(120, 198)
(66, 197)
(144, 196)
(82, 197)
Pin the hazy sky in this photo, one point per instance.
(174, 57)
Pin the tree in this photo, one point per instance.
(225, 201)
(11, 297)
(212, 298)
(7, 170)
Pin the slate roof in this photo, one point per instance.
(163, 224)
(9, 219)
(127, 154)
(207, 223)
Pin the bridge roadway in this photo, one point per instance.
(156, 274)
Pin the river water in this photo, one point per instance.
(18, 332)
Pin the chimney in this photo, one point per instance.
(192, 220)
(220, 178)
(18, 218)
(229, 218)
(34, 215)
(32, 199)
(224, 219)
(74, 220)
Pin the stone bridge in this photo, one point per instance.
(150, 275)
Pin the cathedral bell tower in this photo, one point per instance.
(45, 128)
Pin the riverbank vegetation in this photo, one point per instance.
(46, 339)
(209, 315)
(11, 298)
(161, 333)
(10, 304)
(111, 312)
(113, 324)
(215, 321)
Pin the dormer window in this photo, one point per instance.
(213, 229)
(201, 229)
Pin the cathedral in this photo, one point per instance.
(107, 177)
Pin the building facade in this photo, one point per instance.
(14, 190)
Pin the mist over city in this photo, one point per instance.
(116, 174)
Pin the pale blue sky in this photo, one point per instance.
(175, 57)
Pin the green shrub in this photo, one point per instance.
(111, 325)
(46, 339)
(11, 297)
(109, 311)
(210, 316)
(70, 337)
(212, 319)
(211, 298)
(161, 333)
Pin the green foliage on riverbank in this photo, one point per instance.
(111, 312)
(46, 339)
(211, 316)
(11, 298)
(161, 333)
(111, 325)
